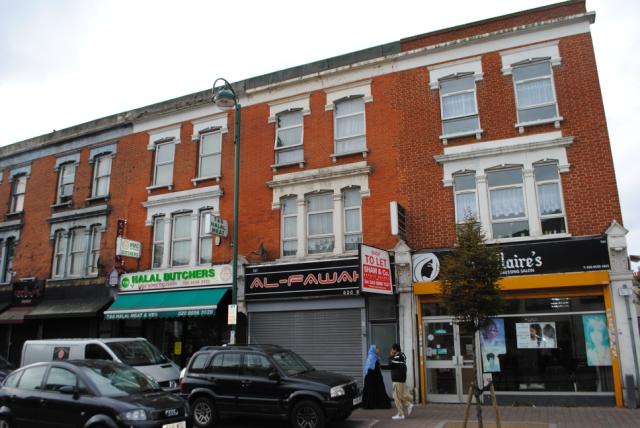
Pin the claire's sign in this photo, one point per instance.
(128, 248)
(376, 270)
(176, 278)
(529, 258)
(27, 292)
(327, 277)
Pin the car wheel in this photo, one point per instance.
(307, 414)
(5, 423)
(203, 412)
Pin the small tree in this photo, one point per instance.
(469, 287)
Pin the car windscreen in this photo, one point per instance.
(117, 380)
(137, 353)
(291, 363)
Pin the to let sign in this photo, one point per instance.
(128, 248)
(375, 270)
(219, 226)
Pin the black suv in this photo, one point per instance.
(265, 381)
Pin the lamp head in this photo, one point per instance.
(225, 99)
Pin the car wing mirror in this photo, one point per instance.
(274, 375)
(69, 390)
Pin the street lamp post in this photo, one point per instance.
(225, 98)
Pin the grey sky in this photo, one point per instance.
(64, 62)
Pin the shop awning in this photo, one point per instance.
(15, 314)
(165, 304)
(69, 308)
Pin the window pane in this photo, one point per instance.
(77, 264)
(77, 244)
(288, 119)
(355, 105)
(181, 253)
(510, 229)
(507, 203)
(553, 225)
(68, 174)
(463, 104)
(289, 225)
(349, 126)
(546, 172)
(102, 186)
(205, 250)
(32, 378)
(465, 206)
(257, 365)
(164, 174)
(205, 223)
(320, 245)
(454, 85)
(549, 199)
(18, 203)
(459, 126)
(538, 113)
(21, 184)
(351, 145)
(321, 202)
(164, 153)
(58, 378)
(289, 206)
(504, 177)
(182, 226)
(534, 92)
(210, 166)
(383, 336)
(351, 242)
(158, 230)
(321, 224)
(158, 250)
(104, 165)
(532, 71)
(96, 239)
(352, 220)
(289, 156)
(289, 137)
(464, 182)
(210, 143)
(352, 198)
(289, 248)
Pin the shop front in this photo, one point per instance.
(317, 309)
(178, 310)
(554, 344)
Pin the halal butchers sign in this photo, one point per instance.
(376, 270)
(176, 278)
(327, 277)
(529, 258)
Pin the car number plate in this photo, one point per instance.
(357, 400)
(182, 424)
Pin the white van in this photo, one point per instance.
(136, 352)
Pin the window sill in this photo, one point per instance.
(318, 256)
(528, 238)
(71, 278)
(275, 166)
(62, 204)
(335, 156)
(555, 120)
(159, 186)
(197, 180)
(98, 198)
(478, 133)
(15, 214)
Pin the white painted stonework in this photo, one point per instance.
(293, 103)
(468, 65)
(211, 122)
(351, 90)
(544, 50)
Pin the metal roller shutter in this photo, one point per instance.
(328, 339)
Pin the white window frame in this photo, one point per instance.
(284, 216)
(509, 186)
(156, 164)
(204, 234)
(202, 157)
(158, 224)
(9, 245)
(80, 233)
(94, 250)
(295, 147)
(558, 182)
(309, 213)
(556, 119)
(460, 219)
(59, 245)
(344, 217)
(17, 198)
(62, 173)
(97, 177)
(459, 76)
(351, 137)
(174, 240)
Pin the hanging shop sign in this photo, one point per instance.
(376, 270)
(128, 248)
(529, 258)
(27, 292)
(219, 226)
(326, 277)
(176, 278)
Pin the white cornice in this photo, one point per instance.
(183, 196)
(320, 174)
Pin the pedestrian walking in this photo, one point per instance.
(401, 397)
(374, 395)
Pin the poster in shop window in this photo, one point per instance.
(492, 345)
(596, 340)
(536, 335)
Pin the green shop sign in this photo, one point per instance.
(176, 278)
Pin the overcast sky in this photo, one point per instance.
(64, 62)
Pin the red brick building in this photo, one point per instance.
(501, 119)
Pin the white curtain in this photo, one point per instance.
(549, 199)
(320, 224)
(466, 205)
(507, 203)
(352, 220)
(458, 105)
(534, 92)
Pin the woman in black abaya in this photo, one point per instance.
(374, 395)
